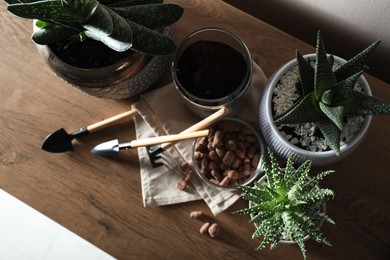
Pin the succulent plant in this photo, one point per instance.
(327, 96)
(119, 24)
(287, 203)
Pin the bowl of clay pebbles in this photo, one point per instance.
(211, 68)
(229, 156)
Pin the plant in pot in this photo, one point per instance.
(319, 106)
(107, 48)
(286, 205)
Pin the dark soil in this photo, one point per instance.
(88, 54)
(211, 70)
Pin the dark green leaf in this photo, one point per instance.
(150, 42)
(44, 10)
(151, 16)
(52, 34)
(121, 38)
(356, 64)
(361, 104)
(306, 110)
(101, 23)
(333, 113)
(306, 72)
(331, 133)
(118, 3)
(324, 78)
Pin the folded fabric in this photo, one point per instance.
(163, 111)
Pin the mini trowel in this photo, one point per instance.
(113, 147)
(60, 141)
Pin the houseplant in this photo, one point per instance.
(286, 204)
(327, 98)
(121, 28)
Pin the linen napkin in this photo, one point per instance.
(163, 112)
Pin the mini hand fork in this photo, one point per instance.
(154, 152)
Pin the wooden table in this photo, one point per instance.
(100, 199)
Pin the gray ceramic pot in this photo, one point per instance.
(281, 146)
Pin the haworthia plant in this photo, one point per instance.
(120, 24)
(288, 202)
(327, 95)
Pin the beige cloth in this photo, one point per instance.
(162, 112)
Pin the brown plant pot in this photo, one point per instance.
(130, 76)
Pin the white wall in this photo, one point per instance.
(347, 26)
(370, 18)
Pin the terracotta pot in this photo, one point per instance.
(277, 141)
(128, 77)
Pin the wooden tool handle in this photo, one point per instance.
(202, 124)
(110, 121)
(167, 138)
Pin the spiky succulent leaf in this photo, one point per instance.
(356, 64)
(332, 134)
(292, 208)
(306, 72)
(315, 180)
(324, 78)
(336, 114)
(306, 110)
(294, 231)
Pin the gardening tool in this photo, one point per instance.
(155, 151)
(60, 141)
(112, 147)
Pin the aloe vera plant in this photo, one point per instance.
(327, 96)
(119, 24)
(287, 203)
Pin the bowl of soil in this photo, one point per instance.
(212, 68)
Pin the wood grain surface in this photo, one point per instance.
(100, 199)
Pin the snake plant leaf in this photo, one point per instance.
(44, 10)
(150, 42)
(306, 110)
(306, 72)
(21, 1)
(356, 64)
(324, 78)
(164, 14)
(53, 33)
(101, 23)
(331, 133)
(336, 114)
(119, 3)
(121, 38)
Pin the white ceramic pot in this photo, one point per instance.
(281, 146)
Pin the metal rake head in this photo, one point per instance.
(154, 155)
